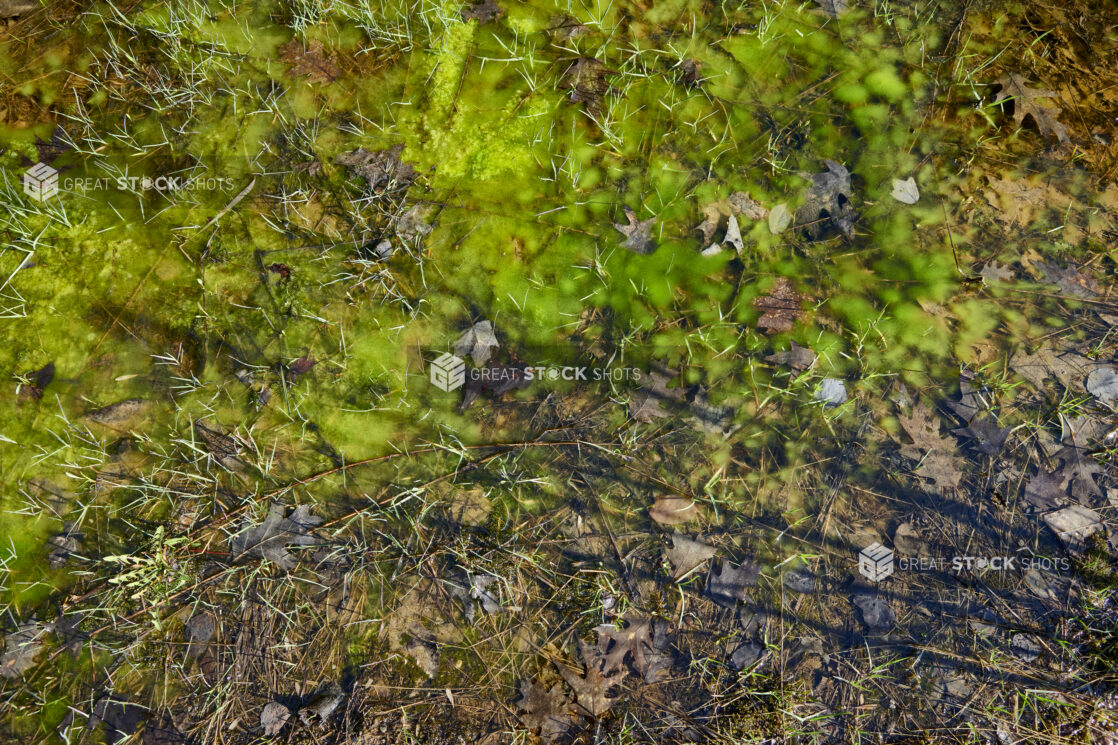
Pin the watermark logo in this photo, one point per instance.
(875, 562)
(40, 182)
(448, 372)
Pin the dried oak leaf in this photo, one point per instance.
(932, 452)
(270, 538)
(638, 233)
(632, 641)
(310, 61)
(687, 554)
(780, 308)
(382, 169)
(482, 12)
(591, 689)
(1027, 102)
(827, 202)
(544, 711)
(996, 273)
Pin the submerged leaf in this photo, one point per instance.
(780, 308)
(1026, 102)
(270, 538)
(779, 218)
(687, 554)
(638, 233)
(673, 510)
(544, 711)
(592, 688)
(906, 191)
(827, 202)
(478, 342)
(20, 649)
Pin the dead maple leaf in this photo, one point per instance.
(1027, 102)
(780, 308)
(591, 689)
(638, 233)
(310, 61)
(544, 711)
(1046, 490)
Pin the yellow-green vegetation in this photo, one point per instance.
(362, 182)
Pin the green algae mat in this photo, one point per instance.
(516, 372)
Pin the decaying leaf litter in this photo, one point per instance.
(673, 557)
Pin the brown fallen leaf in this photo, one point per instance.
(644, 404)
(934, 454)
(780, 308)
(382, 169)
(1027, 102)
(827, 202)
(310, 61)
(638, 233)
(544, 711)
(592, 688)
(482, 12)
(673, 510)
(118, 413)
(586, 79)
(686, 555)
